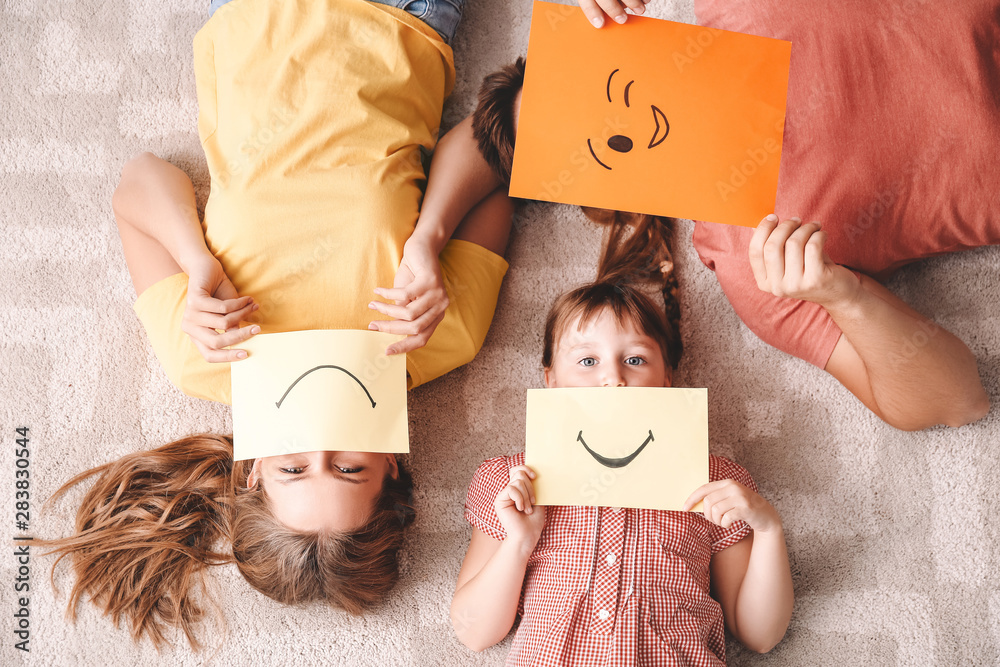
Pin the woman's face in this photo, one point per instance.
(605, 353)
(314, 491)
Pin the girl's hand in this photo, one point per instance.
(418, 295)
(213, 304)
(521, 520)
(788, 261)
(596, 9)
(727, 501)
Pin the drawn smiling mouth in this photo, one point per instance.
(614, 463)
(339, 368)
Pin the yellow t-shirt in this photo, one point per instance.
(313, 116)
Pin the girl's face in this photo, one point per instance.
(314, 491)
(606, 353)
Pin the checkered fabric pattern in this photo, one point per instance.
(611, 586)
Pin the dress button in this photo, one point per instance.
(611, 558)
(604, 614)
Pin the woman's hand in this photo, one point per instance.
(596, 9)
(418, 296)
(522, 521)
(727, 501)
(212, 305)
(788, 260)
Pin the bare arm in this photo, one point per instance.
(459, 180)
(489, 587)
(157, 199)
(906, 369)
(154, 206)
(753, 583)
(489, 584)
(751, 579)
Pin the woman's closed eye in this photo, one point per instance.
(298, 470)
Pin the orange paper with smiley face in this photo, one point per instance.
(651, 116)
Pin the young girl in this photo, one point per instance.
(314, 117)
(600, 585)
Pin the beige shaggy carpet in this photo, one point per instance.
(893, 536)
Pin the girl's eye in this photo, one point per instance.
(291, 471)
(635, 361)
(588, 361)
(349, 471)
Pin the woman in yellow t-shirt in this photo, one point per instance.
(315, 117)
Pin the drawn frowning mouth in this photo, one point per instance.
(614, 463)
(312, 370)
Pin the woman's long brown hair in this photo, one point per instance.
(153, 522)
(637, 249)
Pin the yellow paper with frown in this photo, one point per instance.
(617, 446)
(651, 116)
(324, 390)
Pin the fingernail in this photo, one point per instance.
(371, 305)
(640, 10)
(621, 18)
(772, 217)
(241, 355)
(255, 330)
(527, 511)
(796, 219)
(250, 300)
(598, 22)
(373, 326)
(256, 307)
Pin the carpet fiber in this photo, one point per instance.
(893, 544)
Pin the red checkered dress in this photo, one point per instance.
(623, 587)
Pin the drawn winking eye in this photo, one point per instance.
(621, 143)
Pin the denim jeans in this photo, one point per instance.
(442, 15)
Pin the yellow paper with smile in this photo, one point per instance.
(617, 446)
(324, 390)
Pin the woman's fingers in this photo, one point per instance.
(211, 343)
(401, 295)
(430, 301)
(221, 322)
(407, 327)
(411, 343)
(209, 304)
(219, 356)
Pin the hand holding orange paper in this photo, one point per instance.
(617, 446)
(651, 116)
